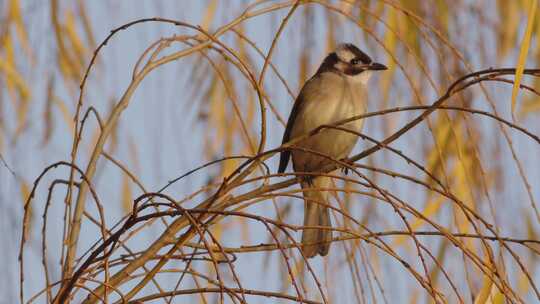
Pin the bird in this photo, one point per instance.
(337, 91)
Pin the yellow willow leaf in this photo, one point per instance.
(66, 64)
(133, 155)
(304, 65)
(346, 7)
(25, 193)
(65, 68)
(86, 25)
(230, 125)
(244, 230)
(217, 112)
(94, 139)
(66, 115)
(330, 35)
(237, 124)
(7, 45)
(509, 12)
(409, 29)
(496, 296)
(22, 113)
(251, 107)
(524, 49)
(217, 230)
(441, 8)
(442, 136)
(114, 133)
(414, 297)
(13, 76)
(529, 106)
(484, 293)
(462, 191)
(47, 113)
(523, 283)
(441, 256)
(16, 17)
(538, 36)
(127, 202)
(229, 166)
(78, 48)
(431, 209)
(390, 42)
(15, 82)
(209, 14)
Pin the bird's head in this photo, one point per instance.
(349, 60)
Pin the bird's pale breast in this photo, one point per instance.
(328, 98)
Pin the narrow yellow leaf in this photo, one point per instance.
(432, 207)
(65, 113)
(529, 106)
(9, 84)
(524, 49)
(127, 202)
(390, 42)
(79, 49)
(209, 14)
(330, 35)
(484, 292)
(22, 113)
(15, 82)
(47, 113)
(66, 63)
(304, 65)
(496, 296)
(414, 297)
(133, 155)
(16, 17)
(442, 136)
(7, 66)
(91, 41)
(25, 193)
(509, 12)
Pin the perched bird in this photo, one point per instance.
(337, 91)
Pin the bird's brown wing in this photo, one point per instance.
(286, 154)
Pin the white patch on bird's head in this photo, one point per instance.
(361, 78)
(344, 53)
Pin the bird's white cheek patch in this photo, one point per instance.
(362, 78)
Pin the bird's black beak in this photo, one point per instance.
(376, 66)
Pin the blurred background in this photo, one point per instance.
(202, 107)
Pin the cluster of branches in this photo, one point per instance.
(188, 236)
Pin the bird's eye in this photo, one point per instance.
(355, 61)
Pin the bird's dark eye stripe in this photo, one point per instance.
(358, 53)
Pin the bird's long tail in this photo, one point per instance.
(316, 241)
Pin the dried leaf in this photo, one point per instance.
(483, 296)
(91, 41)
(127, 201)
(66, 115)
(524, 49)
(47, 113)
(509, 12)
(209, 14)
(16, 17)
(25, 193)
(79, 50)
(14, 78)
